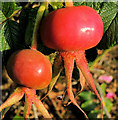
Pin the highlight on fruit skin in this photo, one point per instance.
(30, 70)
(71, 31)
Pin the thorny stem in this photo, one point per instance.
(39, 16)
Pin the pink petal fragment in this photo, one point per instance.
(110, 95)
(105, 78)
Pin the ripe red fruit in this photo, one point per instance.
(30, 68)
(72, 29)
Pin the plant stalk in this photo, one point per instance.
(39, 16)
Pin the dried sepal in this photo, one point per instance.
(39, 105)
(83, 66)
(14, 98)
(29, 96)
(82, 81)
(57, 68)
(68, 65)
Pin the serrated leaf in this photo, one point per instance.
(95, 5)
(77, 3)
(2, 17)
(108, 13)
(12, 35)
(110, 38)
(88, 105)
(3, 43)
(8, 8)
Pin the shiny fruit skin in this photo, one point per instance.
(30, 68)
(72, 29)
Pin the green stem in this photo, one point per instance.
(39, 16)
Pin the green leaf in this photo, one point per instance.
(2, 17)
(77, 3)
(93, 114)
(3, 43)
(108, 104)
(30, 26)
(103, 88)
(110, 38)
(95, 5)
(88, 105)
(108, 13)
(18, 118)
(12, 35)
(23, 22)
(86, 95)
(8, 8)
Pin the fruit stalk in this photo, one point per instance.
(37, 24)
